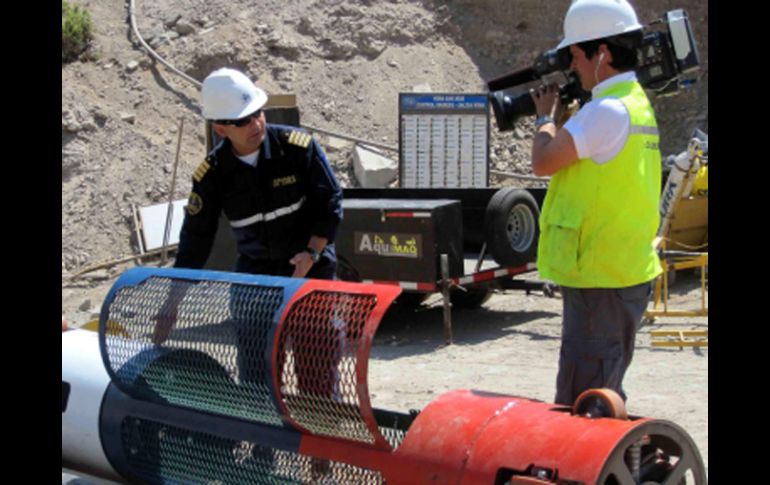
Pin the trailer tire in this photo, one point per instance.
(472, 297)
(409, 300)
(511, 227)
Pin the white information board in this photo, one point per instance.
(443, 140)
(153, 220)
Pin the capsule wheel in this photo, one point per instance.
(655, 453)
(600, 403)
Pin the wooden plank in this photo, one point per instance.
(677, 333)
(281, 101)
(681, 343)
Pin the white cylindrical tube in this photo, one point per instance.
(83, 371)
(677, 186)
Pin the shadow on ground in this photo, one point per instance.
(415, 331)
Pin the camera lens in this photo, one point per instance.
(508, 109)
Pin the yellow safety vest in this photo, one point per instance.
(598, 222)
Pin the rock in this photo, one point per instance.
(85, 306)
(372, 169)
(89, 125)
(184, 27)
(99, 274)
(69, 122)
(336, 49)
(128, 117)
(171, 21)
(392, 63)
(336, 144)
(372, 48)
(163, 38)
(131, 66)
(308, 26)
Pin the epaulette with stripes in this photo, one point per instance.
(299, 138)
(201, 170)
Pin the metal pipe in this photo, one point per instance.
(520, 177)
(170, 211)
(445, 284)
(351, 138)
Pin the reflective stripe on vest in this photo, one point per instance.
(269, 216)
(643, 130)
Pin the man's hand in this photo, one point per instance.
(302, 263)
(547, 101)
(552, 148)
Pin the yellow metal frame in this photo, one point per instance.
(680, 338)
(695, 260)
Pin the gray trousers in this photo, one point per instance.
(598, 335)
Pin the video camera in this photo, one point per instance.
(664, 56)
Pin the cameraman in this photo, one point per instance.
(600, 214)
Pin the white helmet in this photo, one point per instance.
(228, 94)
(594, 19)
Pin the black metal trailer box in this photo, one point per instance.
(401, 239)
(474, 205)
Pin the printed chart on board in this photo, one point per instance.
(443, 140)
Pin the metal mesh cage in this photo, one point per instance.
(159, 453)
(204, 345)
(393, 436)
(323, 371)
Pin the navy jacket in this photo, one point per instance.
(273, 209)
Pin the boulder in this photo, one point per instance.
(372, 169)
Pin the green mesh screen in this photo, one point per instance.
(159, 453)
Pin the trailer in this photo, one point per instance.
(463, 243)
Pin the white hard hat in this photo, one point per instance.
(228, 94)
(594, 19)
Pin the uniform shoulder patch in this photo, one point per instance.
(194, 204)
(299, 138)
(201, 171)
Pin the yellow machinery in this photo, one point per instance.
(682, 236)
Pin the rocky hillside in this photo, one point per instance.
(346, 60)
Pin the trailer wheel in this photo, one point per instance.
(473, 297)
(511, 227)
(409, 300)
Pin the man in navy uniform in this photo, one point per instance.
(273, 183)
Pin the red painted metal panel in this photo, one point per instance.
(527, 432)
(321, 354)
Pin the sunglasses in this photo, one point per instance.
(241, 122)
